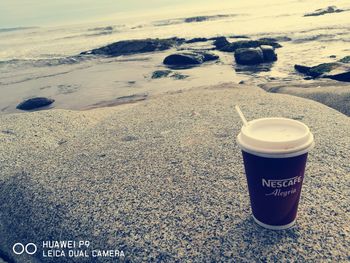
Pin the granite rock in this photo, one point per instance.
(178, 192)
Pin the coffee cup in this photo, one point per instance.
(275, 152)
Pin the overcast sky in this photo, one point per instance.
(50, 12)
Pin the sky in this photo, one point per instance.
(24, 13)
(15, 13)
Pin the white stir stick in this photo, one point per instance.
(244, 120)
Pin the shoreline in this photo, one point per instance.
(75, 86)
(321, 91)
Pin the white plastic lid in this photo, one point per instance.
(275, 137)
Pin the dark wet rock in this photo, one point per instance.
(220, 42)
(129, 47)
(215, 38)
(179, 76)
(253, 56)
(254, 68)
(316, 71)
(183, 59)
(203, 18)
(223, 45)
(208, 56)
(308, 78)
(249, 56)
(106, 28)
(323, 11)
(197, 39)
(34, 103)
(301, 68)
(345, 59)
(254, 43)
(160, 74)
(241, 82)
(332, 56)
(344, 76)
(100, 31)
(238, 36)
(337, 71)
(188, 59)
(269, 53)
(196, 19)
(276, 39)
(168, 73)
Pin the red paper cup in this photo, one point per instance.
(274, 153)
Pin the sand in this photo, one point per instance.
(163, 179)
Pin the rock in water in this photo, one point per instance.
(336, 70)
(345, 59)
(183, 59)
(178, 76)
(160, 74)
(34, 103)
(344, 76)
(196, 39)
(129, 47)
(316, 71)
(323, 11)
(222, 44)
(168, 73)
(269, 53)
(275, 39)
(249, 56)
(302, 69)
(208, 56)
(189, 59)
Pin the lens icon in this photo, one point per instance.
(31, 248)
(18, 248)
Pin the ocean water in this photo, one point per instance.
(41, 61)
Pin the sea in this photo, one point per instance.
(43, 61)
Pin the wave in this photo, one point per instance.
(15, 63)
(193, 19)
(10, 29)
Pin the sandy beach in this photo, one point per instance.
(162, 180)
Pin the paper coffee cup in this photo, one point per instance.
(274, 153)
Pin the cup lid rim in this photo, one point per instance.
(248, 142)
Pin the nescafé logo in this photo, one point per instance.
(281, 183)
